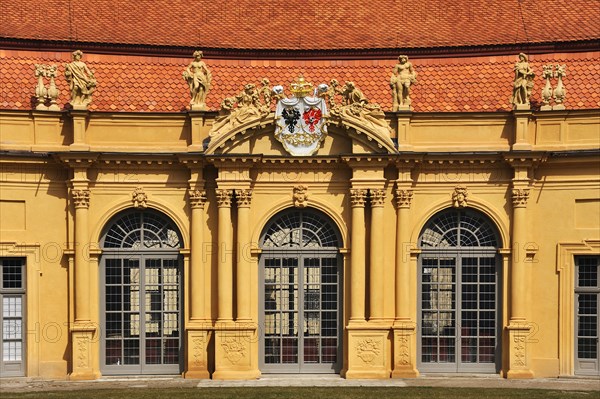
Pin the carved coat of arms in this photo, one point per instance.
(300, 120)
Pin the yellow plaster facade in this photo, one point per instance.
(66, 175)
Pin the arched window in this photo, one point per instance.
(301, 293)
(459, 290)
(141, 294)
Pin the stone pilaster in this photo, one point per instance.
(518, 328)
(404, 327)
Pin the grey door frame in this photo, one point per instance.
(586, 367)
(458, 366)
(141, 368)
(14, 368)
(300, 367)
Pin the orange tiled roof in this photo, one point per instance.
(302, 24)
(153, 84)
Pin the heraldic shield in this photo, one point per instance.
(300, 123)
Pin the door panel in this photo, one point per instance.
(458, 325)
(300, 314)
(142, 313)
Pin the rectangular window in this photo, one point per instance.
(12, 312)
(587, 324)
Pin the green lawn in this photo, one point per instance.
(309, 393)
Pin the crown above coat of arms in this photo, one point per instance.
(300, 87)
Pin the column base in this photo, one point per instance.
(197, 354)
(82, 359)
(235, 353)
(405, 359)
(368, 349)
(518, 341)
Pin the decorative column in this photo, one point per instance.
(518, 328)
(243, 199)
(376, 267)
(84, 328)
(224, 261)
(404, 326)
(357, 256)
(197, 199)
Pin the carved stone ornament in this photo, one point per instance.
(377, 197)
(403, 198)
(404, 350)
(300, 196)
(81, 81)
(46, 96)
(459, 197)
(358, 197)
(547, 74)
(403, 77)
(523, 83)
(139, 198)
(300, 120)
(197, 198)
(234, 350)
(243, 111)
(198, 344)
(224, 197)
(520, 196)
(198, 78)
(81, 198)
(560, 93)
(368, 349)
(243, 198)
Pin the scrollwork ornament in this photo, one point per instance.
(224, 197)
(377, 197)
(403, 198)
(81, 198)
(243, 198)
(520, 196)
(197, 198)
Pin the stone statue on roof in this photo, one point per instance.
(198, 77)
(523, 83)
(81, 81)
(403, 77)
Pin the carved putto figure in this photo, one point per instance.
(198, 77)
(241, 109)
(81, 81)
(403, 77)
(523, 83)
(357, 106)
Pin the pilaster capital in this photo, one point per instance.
(243, 197)
(520, 196)
(81, 198)
(403, 198)
(358, 197)
(377, 197)
(197, 198)
(224, 197)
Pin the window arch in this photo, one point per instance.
(300, 229)
(139, 230)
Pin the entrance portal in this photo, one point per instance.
(301, 299)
